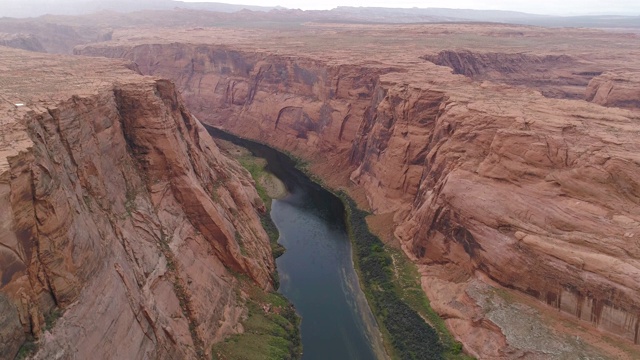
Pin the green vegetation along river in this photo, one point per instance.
(316, 271)
(325, 235)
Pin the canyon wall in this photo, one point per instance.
(555, 76)
(120, 216)
(540, 195)
(296, 100)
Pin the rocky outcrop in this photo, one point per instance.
(21, 41)
(44, 36)
(120, 213)
(615, 89)
(500, 183)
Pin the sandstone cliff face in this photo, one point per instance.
(548, 193)
(121, 213)
(540, 195)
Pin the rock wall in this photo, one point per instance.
(122, 215)
(539, 194)
(545, 204)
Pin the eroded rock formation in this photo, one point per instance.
(21, 41)
(120, 213)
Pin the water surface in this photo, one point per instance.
(314, 276)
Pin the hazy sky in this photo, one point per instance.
(556, 7)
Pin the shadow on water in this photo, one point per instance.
(316, 272)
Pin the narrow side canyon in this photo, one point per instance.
(486, 183)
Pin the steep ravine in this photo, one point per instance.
(555, 76)
(485, 182)
(124, 228)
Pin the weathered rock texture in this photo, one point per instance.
(539, 195)
(120, 212)
(615, 89)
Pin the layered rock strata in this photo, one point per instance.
(119, 213)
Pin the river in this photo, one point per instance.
(316, 272)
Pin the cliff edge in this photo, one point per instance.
(123, 226)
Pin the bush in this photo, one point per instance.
(411, 336)
(27, 349)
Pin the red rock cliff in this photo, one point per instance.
(119, 211)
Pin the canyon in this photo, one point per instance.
(502, 159)
(493, 183)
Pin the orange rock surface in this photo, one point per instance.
(485, 174)
(120, 212)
